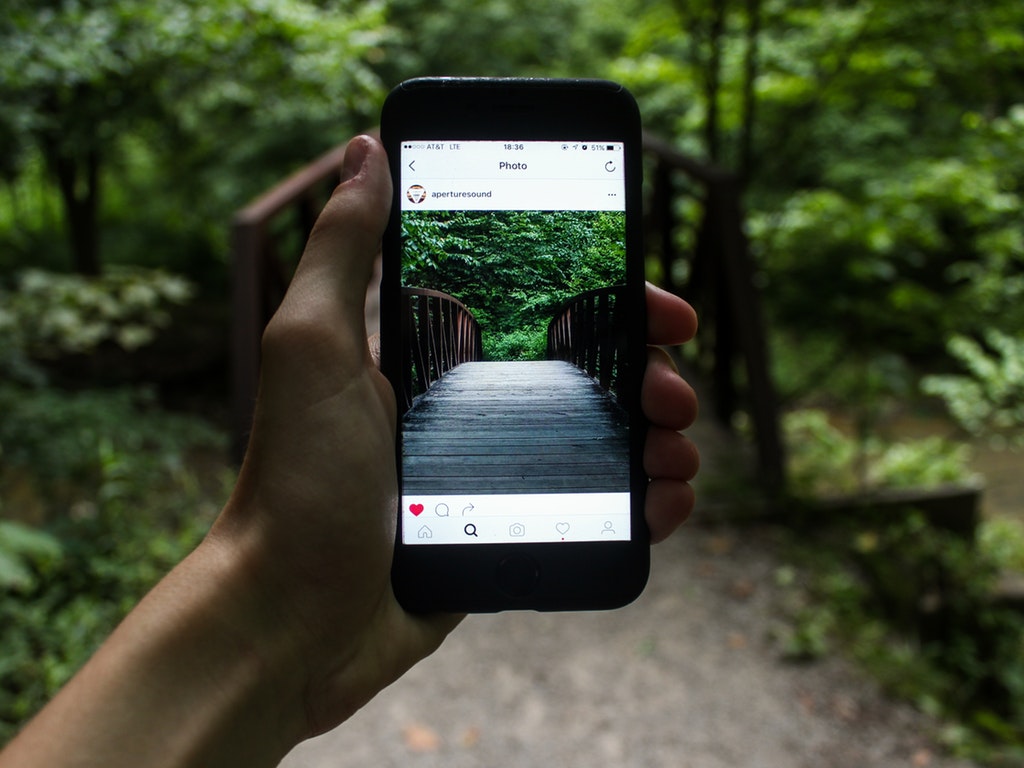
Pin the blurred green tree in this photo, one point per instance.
(195, 83)
(882, 145)
(503, 38)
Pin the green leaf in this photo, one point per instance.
(21, 548)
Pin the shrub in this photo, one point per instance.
(913, 604)
(824, 460)
(124, 500)
(989, 397)
(51, 314)
(527, 344)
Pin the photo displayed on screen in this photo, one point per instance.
(513, 344)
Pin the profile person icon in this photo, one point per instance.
(608, 528)
(416, 194)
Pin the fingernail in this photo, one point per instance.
(355, 157)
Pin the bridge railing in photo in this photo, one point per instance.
(582, 333)
(442, 334)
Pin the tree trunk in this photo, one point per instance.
(78, 179)
(750, 72)
(713, 81)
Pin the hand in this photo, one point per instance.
(670, 404)
(318, 488)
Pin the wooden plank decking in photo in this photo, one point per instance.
(515, 427)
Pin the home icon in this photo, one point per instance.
(425, 533)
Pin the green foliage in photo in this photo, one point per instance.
(513, 269)
(523, 344)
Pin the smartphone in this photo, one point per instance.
(513, 332)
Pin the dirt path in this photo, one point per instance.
(685, 677)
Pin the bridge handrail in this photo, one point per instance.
(720, 280)
(705, 259)
(442, 334)
(583, 332)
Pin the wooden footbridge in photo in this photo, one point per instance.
(505, 427)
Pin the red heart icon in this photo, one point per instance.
(416, 509)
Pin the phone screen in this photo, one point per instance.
(513, 273)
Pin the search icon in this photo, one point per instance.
(470, 529)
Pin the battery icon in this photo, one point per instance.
(610, 147)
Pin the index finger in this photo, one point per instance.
(670, 320)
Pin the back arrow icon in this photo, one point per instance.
(411, 164)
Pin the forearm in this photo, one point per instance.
(198, 674)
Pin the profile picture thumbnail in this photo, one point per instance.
(416, 194)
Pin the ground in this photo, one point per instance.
(686, 677)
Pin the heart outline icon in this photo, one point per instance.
(562, 528)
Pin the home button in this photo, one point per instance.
(517, 576)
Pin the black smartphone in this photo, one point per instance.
(513, 330)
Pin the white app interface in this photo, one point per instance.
(513, 318)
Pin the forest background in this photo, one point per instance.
(880, 146)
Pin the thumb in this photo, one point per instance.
(346, 236)
(320, 323)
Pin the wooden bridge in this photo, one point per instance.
(703, 257)
(504, 427)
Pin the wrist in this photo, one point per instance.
(208, 634)
(247, 648)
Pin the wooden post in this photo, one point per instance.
(664, 221)
(722, 289)
(746, 317)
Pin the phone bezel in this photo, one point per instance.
(574, 575)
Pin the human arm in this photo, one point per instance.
(282, 623)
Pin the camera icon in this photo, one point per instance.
(517, 529)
